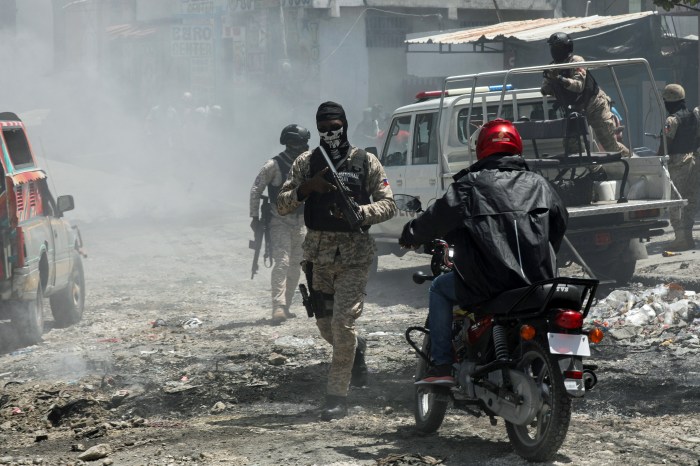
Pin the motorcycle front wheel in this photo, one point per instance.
(540, 439)
(430, 402)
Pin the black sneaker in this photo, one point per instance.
(438, 375)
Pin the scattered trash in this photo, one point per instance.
(184, 378)
(670, 253)
(109, 340)
(408, 458)
(159, 323)
(41, 436)
(22, 351)
(16, 411)
(192, 322)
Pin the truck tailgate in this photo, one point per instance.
(629, 206)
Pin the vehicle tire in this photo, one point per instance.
(28, 318)
(608, 267)
(67, 305)
(430, 402)
(540, 439)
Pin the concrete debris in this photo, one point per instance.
(95, 453)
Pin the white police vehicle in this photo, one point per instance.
(614, 203)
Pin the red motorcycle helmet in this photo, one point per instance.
(498, 137)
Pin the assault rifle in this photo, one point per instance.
(344, 201)
(262, 232)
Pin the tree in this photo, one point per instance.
(668, 4)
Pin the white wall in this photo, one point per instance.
(449, 64)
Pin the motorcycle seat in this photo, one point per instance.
(565, 296)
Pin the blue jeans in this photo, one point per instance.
(441, 299)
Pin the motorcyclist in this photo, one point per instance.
(505, 223)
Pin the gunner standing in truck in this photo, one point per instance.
(577, 91)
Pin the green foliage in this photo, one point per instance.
(668, 4)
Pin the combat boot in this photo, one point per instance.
(359, 368)
(278, 316)
(289, 314)
(683, 242)
(336, 407)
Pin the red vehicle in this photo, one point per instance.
(39, 250)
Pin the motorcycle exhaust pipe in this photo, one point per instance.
(589, 379)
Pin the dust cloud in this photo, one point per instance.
(127, 152)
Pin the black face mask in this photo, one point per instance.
(296, 149)
(673, 107)
(559, 54)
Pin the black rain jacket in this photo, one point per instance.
(505, 222)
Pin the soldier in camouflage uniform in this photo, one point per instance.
(681, 130)
(576, 90)
(286, 233)
(340, 257)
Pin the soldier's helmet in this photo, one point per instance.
(560, 45)
(673, 93)
(498, 137)
(294, 135)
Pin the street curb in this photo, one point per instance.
(652, 279)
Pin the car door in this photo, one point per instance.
(396, 152)
(60, 237)
(421, 179)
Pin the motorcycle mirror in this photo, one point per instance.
(408, 203)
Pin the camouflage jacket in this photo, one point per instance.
(330, 247)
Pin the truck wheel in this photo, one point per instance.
(67, 305)
(616, 267)
(28, 319)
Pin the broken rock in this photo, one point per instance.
(95, 453)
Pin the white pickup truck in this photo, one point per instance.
(614, 203)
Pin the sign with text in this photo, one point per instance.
(197, 6)
(191, 41)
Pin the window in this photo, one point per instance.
(18, 147)
(425, 140)
(396, 147)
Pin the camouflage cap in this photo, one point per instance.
(673, 93)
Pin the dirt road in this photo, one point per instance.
(237, 391)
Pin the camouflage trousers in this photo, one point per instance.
(685, 175)
(347, 283)
(287, 235)
(600, 118)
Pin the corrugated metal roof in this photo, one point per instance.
(529, 30)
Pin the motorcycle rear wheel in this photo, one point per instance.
(430, 402)
(541, 438)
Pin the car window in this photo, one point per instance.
(396, 146)
(477, 119)
(18, 147)
(424, 139)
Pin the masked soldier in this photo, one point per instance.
(576, 90)
(286, 233)
(338, 257)
(681, 130)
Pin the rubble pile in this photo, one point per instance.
(667, 315)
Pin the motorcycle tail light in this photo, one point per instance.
(527, 332)
(573, 375)
(569, 319)
(595, 335)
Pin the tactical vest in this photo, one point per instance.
(684, 141)
(285, 164)
(318, 207)
(577, 100)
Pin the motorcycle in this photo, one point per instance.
(518, 356)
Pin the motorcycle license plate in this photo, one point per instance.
(574, 345)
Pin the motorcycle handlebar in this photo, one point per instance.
(421, 277)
